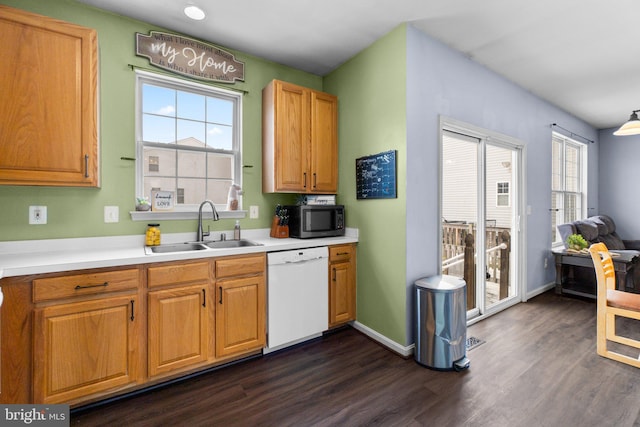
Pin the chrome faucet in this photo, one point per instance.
(200, 234)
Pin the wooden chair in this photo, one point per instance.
(612, 303)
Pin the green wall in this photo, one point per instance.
(371, 88)
(78, 212)
(372, 118)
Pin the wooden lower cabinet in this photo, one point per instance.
(240, 305)
(342, 284)
(91, 334)
(178, 328)
(178, 321)
(83, 348)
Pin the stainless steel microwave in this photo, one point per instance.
(309, 221)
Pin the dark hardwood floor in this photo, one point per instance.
(538, 367)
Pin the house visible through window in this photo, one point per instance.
(154, 164)
(568, 184)
(189, 139)
(502, 194)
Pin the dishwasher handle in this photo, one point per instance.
(297, 256)
(297, 261)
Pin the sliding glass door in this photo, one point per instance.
(480, 201)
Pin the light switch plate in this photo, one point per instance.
(111, 214)
(37, 214)
(253, 212)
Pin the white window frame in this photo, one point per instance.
(580, 194)
(187, 211)
(508, 194)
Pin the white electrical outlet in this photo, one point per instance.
(111, 214)
(37, 214)
(253, 212)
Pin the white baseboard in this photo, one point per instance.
(542, 289)
(405, 351)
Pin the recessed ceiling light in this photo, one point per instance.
(194, 12)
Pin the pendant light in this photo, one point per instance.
(632, 127)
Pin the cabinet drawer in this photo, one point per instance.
(240, 266)
(175, 274)
(84, 284)
(340, 253)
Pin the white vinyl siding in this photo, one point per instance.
(463, 184)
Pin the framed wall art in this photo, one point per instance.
(376, 176)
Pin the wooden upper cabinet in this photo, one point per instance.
(299, 140)
(290, 138)
(48, 107)
(324, 147)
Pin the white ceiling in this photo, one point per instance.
(581, 55)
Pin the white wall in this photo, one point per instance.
(441, 81)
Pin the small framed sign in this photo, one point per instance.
(162, 201)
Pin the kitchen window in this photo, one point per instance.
(568, 183)
(188, 140)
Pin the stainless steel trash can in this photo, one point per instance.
(441, 323)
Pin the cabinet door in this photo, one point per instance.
(291, 138)
(177, 328)
(341, 294)
(85, 347)
(324, 143)
(240, 315)
(48, 110)
(342, 284)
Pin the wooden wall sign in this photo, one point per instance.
(189, 57)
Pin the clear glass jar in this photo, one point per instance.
(153, 235)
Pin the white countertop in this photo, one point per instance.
(19, 258)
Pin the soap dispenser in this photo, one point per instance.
(236, 231)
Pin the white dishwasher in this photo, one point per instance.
(297, 296)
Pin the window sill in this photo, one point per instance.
(154, 216)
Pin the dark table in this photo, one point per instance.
(575, 274)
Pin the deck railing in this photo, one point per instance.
(458, 256)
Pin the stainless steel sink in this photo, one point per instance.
(178, 247)
(231, 244)
(199, 246)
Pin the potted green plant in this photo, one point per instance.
(142, 204)
(577, 243)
